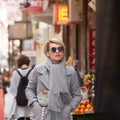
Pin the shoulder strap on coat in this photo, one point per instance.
(26, 74)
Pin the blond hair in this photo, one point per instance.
(53, 40)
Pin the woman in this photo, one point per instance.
(61, 82)
(19, 112)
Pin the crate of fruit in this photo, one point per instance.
(84, 107)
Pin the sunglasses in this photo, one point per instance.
(54, 49)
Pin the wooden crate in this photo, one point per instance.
(83, 116)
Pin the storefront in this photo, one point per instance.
(79, 36)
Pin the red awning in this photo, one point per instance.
(34, 9)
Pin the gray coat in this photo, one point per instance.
(39, 81)
(18, 111)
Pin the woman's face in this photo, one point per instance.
(56, 52)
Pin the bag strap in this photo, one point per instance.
(19, 73)
(26, 74)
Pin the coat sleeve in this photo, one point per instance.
(31, 89)
(14, 81)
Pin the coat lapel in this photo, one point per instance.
(43, 77)
(45, 81)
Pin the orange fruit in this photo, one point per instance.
(88, 106)
(77, 110)
(82, 107)
(91, 109)
(79, 106)
(82, 110)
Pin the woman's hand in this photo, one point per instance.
(66, 112)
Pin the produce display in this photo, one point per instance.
(87, 90)
(84, 107)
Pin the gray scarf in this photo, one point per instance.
(58, 95)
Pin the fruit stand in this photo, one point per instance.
(85, 109)
(88, 116)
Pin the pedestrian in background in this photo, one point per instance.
(19, 112)
(75, 66)
(60, 82)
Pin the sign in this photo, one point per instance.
(20, 30)
(75, 10)
(60, 14)
(92, 4)
(29, 48)
(92, 37)
(29, 44)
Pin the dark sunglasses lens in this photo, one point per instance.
(53, 49)
(60, 49)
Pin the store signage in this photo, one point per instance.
(20, 30)
(92, 39)
(60, 14)
(29, 47)
(92, 4)
(29, 44)
(75, 11)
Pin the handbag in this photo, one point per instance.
(43, 98)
